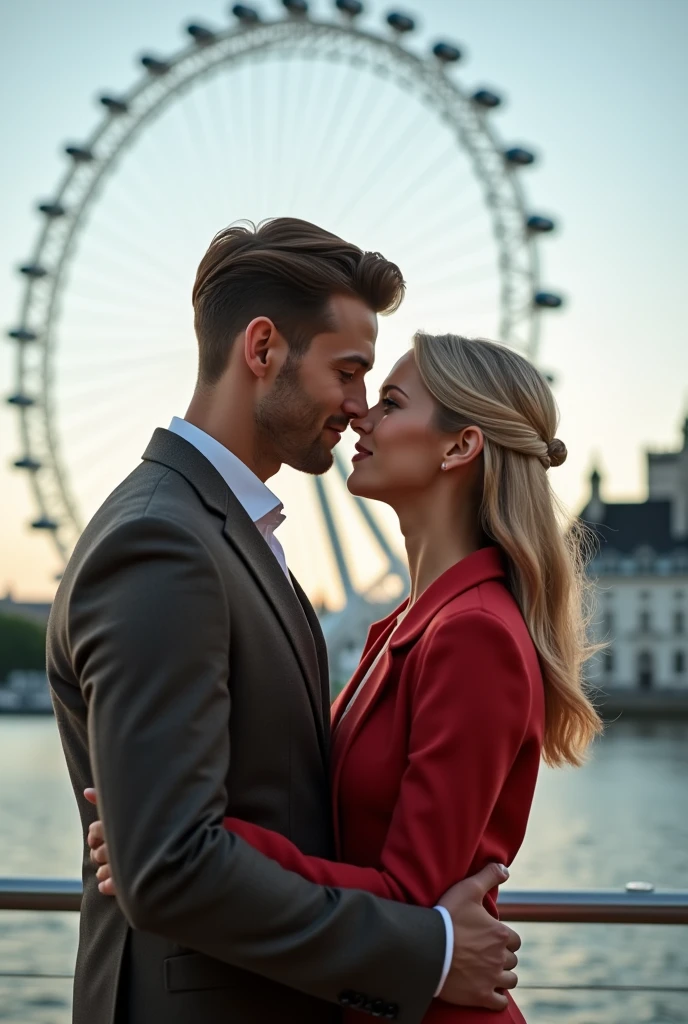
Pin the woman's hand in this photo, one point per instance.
(99, 850)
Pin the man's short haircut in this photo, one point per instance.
(287, 270)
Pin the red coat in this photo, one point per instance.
(434, 766)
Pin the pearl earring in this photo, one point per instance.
(444, 465)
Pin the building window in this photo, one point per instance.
(645, 670)
(644, 622)
(607, 624)
(679, 662)
(607, 661)
(679, 622)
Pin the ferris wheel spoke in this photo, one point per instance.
(88, 383)
(396, 149)
(97, 279)
(477, 277)
(326, 132)
(438, 166)
(429, 228)
(150, 256)
(111, 315)
(115, 409)
(314, 89)
(89, 365)
(454, 259)
(72, 413)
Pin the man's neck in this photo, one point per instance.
(234, 429)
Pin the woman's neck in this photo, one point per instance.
(438, 532)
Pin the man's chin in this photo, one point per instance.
(316, 462)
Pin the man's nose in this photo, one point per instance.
(356, 406)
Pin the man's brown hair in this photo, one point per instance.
(285, 269)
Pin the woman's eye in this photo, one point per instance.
(388, 404)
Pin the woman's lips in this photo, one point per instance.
(361, 453)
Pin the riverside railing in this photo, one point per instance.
(639, 903)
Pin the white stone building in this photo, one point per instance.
(641, 571)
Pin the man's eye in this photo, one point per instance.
(346, 375)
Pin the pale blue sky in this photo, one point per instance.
(598, 87)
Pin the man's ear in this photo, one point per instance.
(263, 344)
(467, 446)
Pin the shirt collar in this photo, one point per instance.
(256, 499)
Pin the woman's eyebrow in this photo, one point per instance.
(392, 387)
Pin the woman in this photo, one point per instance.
(437, 738)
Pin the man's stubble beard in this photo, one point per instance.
(290, 425)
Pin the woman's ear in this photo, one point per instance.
(467, 446)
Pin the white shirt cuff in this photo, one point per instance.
(449, 952)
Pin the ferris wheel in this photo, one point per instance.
(325, 117)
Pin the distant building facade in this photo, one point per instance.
(641, 571)
(37, 611)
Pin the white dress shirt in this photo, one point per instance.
(265, 509)
(258, 501)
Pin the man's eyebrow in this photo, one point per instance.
(392, 387)
(355, 357)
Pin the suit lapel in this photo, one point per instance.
(321, 654)
(176, 453)
(259, 559)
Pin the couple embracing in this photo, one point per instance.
(272, 859)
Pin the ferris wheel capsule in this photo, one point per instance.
(115, 106)
(27, 463)
(34, 270)
(201, 35)
(299, 8)
(45, 523)
(22, 334)
(352, 8)
(401, 23)
(79, 154)
(52, 210)
(486, 98)
(20, 400)
(155, 67)
(519, 157)
(548, 300)
(245, 15)
(446, 53)
(540, 225)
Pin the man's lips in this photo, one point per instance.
(337, 431)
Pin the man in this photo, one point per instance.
(189, 678)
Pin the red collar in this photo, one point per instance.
(484, 564)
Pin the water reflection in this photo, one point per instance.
(623, 816)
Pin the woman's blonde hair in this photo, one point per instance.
(480, 383)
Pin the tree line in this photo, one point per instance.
(22, 645)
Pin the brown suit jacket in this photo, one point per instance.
(190, 683)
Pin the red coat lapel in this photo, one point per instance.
(477, 568)
(372, 646)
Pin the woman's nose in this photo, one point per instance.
(362, 424)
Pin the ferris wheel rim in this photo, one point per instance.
(426, 74)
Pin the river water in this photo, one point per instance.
(623, 816)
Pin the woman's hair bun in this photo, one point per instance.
(557, 452)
